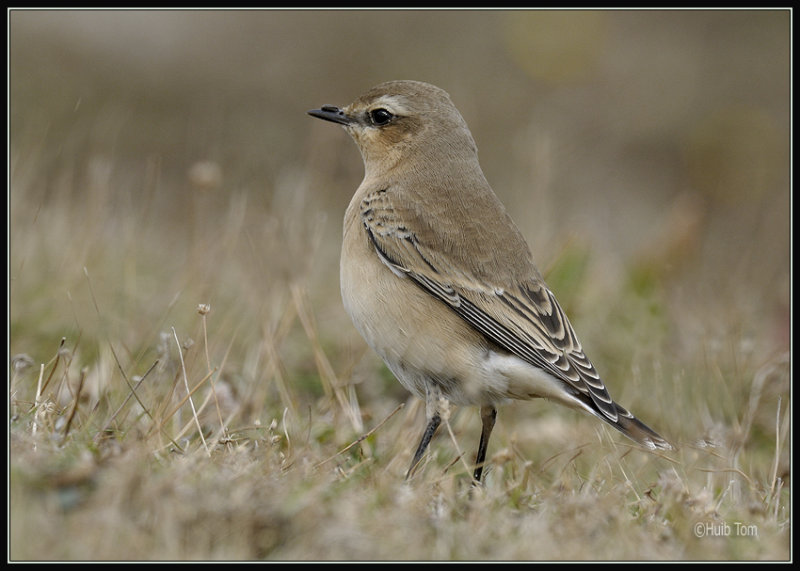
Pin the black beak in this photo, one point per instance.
(331, 113)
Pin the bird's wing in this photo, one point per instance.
(523, 318)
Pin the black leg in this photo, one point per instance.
(488, 416)
(430, 430)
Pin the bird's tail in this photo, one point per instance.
(636, 430)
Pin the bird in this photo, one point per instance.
(441, 283)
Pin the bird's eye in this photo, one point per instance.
(380, 116)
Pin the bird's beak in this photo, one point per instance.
(331, 113)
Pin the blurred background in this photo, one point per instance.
(162, 159)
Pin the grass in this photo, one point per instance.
(185, 385)
(148, 424)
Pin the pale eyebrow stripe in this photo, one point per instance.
(393, 104)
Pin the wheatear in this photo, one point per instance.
(441, 283)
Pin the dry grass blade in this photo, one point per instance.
(459, 453)
(363, 437)
(55, 363)
(189, 392)
(75, 402)
(37, 402)
(131, 393)
(326, 372)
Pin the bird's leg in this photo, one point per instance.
(488, 416)
(433, 412)
(430, 429)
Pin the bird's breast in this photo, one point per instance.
(420, 338)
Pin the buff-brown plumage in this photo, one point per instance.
(441, 283)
